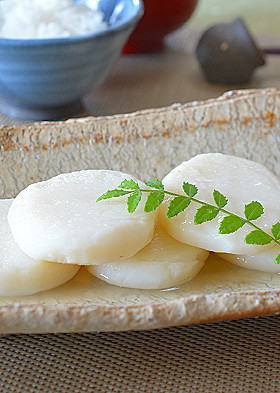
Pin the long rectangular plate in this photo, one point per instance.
(147, 144)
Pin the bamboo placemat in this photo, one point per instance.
(226, 357)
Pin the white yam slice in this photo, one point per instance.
(59, 220)
(241, 181)
(263, 261)
(21, 275)
(163, 263)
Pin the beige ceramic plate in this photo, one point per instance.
(147, 144)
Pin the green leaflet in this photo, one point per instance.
(112, 194)
(177, 205)
(253, 210)
(155, 183)
(276, 230)
(277, 259)
(129, 184)
(133, 200)
(205, 213)
(230, 224)
(219, 199)
(258, 237)
(190, 189)
(154, 200)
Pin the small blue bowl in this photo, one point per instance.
(45, 79)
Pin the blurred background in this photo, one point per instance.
(173, 75)
(262, 16)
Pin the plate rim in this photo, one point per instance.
(189, 310)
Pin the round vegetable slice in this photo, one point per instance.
(163, 263)
(241, 181)
(21, 275)
(60, 219)
(263, 261)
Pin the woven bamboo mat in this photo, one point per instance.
(226, 357)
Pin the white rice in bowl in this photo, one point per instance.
(26, 19)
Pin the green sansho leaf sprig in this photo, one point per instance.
(206, 212)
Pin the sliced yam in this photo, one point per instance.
(59, 219)
(262, 262)
(163, 263)
(241, 181)
(21, 275)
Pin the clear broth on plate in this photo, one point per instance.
(217, 276)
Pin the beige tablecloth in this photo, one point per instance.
(232, 356)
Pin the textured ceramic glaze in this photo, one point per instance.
(46, 78)
(146, 144)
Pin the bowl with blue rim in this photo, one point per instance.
(45, 79)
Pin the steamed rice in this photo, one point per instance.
(47, 19)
